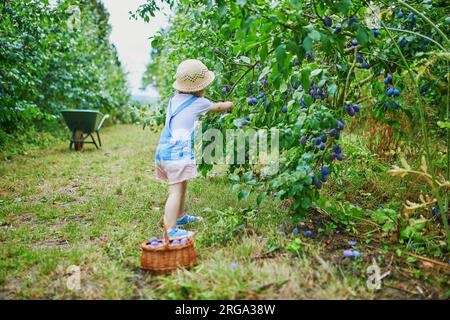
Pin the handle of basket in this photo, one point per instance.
(166, 236)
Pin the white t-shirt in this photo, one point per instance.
(183, 122)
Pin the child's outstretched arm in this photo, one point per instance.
(221, 106)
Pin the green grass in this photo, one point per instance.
(92, 209)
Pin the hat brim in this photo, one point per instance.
(210, 76)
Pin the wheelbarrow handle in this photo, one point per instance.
(106, 116)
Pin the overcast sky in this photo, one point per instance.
(131, 39)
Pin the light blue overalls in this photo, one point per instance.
(170, 149)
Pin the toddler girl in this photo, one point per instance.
(174, 158)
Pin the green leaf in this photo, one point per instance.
(292, 46)
(443, 124)
(247, 176)
(248, 24)
(243, 194)
(306, 203)
(222, 9)
(362, 36)
(316, 72)
(295, 4)
(235, 187)
(304, 79)
(273, 18)
(308, 100)
(344, 6)
(314, 35)
(307, 43)
(260, 198)
(156, 42)
(276, 41)
(245, 59)
(332, 89)
(263, 51)
(280, 53)
(322, 83)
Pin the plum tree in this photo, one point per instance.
(315, 59)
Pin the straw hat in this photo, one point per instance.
(192, 75)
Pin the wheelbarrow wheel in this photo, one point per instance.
(78, 144)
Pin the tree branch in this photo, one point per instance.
(347, 81)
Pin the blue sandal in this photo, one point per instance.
(188, 219)
(177, 233)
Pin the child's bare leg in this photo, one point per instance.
(174, 203)
(183, 201)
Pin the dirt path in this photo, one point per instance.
(91, 209)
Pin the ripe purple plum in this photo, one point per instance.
(327, 21)
(252, 100)
(225, 89)
(403, 43)
(348, 253)
(352, 20)
(351, 111)
(337, 149)
(325, 170)
(388, 79)
(394, 105)
(365, 65)
(317, 183)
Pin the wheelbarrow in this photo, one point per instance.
(82, 124)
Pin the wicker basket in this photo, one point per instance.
(166, 258)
